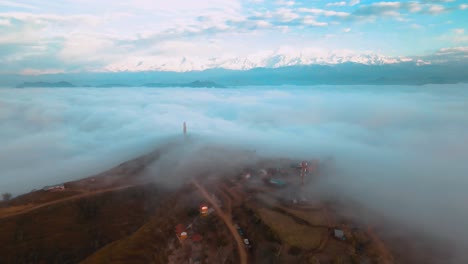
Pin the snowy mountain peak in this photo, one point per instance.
(271, 60)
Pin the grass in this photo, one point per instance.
(294, 234)
(149, 243)
(14, 209)
(315, 218)
(39, 197)
(70, 231)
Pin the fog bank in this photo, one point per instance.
(399, 150)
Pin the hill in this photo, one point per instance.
(194, 84)
(61, 84)
(123, 216)
(404, 73)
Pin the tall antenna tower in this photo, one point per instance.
(304, 169)
(185, 129)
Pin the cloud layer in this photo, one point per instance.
(398, 150)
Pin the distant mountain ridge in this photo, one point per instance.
(349, 73)
(195, 84)
(45, 84)
(63, 84)
(267, 60)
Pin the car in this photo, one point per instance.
(247, 243)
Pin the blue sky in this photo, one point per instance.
(86, 35)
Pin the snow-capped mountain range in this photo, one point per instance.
(255, 61)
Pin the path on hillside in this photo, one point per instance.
(227, 220)
(227, 204)
(66, 199)
(386, 256)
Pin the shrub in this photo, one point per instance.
(6, 196)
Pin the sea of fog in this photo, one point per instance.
(402, 150)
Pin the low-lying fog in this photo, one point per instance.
(400, 150)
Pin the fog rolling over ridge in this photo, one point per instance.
(398, 150)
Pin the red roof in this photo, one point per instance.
(197, 238)
(180, 228)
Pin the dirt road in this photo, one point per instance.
(227, 220)
(386, 256)
(71, 198)
(227, 204)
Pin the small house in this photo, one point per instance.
(204, 209)
(197, 238)
(181, 232)
(339, 234)
(54, 188)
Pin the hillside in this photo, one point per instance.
(194, 84)
(61, 84)
(122, 216)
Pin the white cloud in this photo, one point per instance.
(436, 9)
(285, 14)
(387, 4)
(463, 6)
(379, 140)
(445, 51)
(310, 21)
(438, 1)
(347, 30)
(16, 5)
(5, 22)
(87, 48)
(317, 11)
(414, 7)
(174, 7)
(263, 24)
(459, 31)
(342, 3)
(354, 2)
(458, 36)
(138, 29)
(28, 71)
(416, 26)
(285, 3)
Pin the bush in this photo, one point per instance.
(294, 251)
(6, 196)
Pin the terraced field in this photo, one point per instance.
(291, 232)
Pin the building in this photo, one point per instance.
(204, 209)
(197, 238)
(247, 243)
(54, 188)
(181, 232)
(276, 182)
(339, 234)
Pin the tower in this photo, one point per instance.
(185, 129)
(304, 168)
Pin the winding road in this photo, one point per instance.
(227, 220)
(66, 199)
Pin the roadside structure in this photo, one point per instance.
(54, 188)
(181, 232)
(204, 210)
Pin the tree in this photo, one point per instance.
(6, 196)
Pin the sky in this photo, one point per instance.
(399, 150)
(38, 37)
